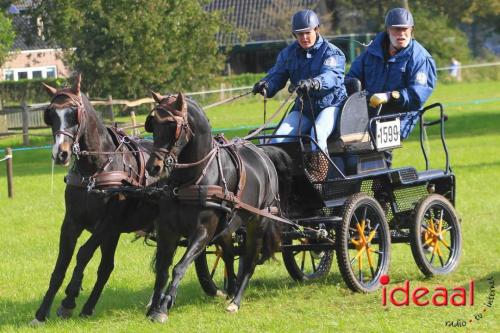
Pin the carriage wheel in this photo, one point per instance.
(303, 265)
(211, 271)
(363, 243)
(436, 236)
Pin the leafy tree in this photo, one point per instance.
(7, 36)
(128, 47)
(479, 18)
(441, 40)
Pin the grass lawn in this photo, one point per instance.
(273, 302)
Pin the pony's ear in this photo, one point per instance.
(180, 103)
(148, 126)
(50, 90)
(157, 97)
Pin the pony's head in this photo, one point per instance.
(65, 116)
(171, 132)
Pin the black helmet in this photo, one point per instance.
(304, 20)
(399, 18)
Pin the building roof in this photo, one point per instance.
(26, 37)
(254, 16)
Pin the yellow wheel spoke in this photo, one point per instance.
(438, 250)
(429, 241)
(430, 229)
(361, 231)
(369, 256)
(360, 252)
(371, 235)
(216, 263)
(445, 243)
(434, 247)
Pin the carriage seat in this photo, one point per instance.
(351, 133)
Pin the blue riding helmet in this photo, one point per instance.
(399, 18)
(304, 20)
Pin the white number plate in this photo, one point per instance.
(387, 134)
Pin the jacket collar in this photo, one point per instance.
(314, 48)
(376, 48)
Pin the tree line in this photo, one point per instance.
(128, 47)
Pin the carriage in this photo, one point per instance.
(362, 207)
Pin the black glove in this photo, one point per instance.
(305, 86)
(259, 87)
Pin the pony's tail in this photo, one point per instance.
(271, 240)
(272, 230)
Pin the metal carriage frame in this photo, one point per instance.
(362, 208)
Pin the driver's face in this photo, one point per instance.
(306, 39)
(400, 37)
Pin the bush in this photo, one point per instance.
(31, 91)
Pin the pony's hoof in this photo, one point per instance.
(86, 314)
(158, 317)
(220, 293)
(232, 308)
(64, 313)
(35, 323)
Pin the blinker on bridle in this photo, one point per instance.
(180, 119)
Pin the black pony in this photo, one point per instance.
(213, 188)
(104, 158)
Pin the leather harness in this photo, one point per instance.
(124, 145)
(194, 192)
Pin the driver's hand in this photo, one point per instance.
(378, 99)
(260, 87)
(304, 86)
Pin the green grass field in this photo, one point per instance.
(30, 229)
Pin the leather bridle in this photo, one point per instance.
(165, 113)
(75, 101)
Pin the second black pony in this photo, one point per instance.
(104, 158)
(213, 188)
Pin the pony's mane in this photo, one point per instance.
(193, 104)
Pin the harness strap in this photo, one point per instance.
(101, 180)
(215, 192)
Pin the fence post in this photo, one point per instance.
(110, 108)
(222, 96)
(135, 131)
(25, 118)
(10, 177)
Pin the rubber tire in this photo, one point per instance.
(417, 248)
(343, 259)
(294, 270)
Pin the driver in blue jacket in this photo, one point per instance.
(396, 70)
(316, 68)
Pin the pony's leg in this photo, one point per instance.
(228, 256)
(83, 257)
(70, 232)
(108, 249)
(253, 247)
(166, 244)
(198, 240)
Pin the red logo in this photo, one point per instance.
(423, 296)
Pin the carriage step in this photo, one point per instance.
(404, 176)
